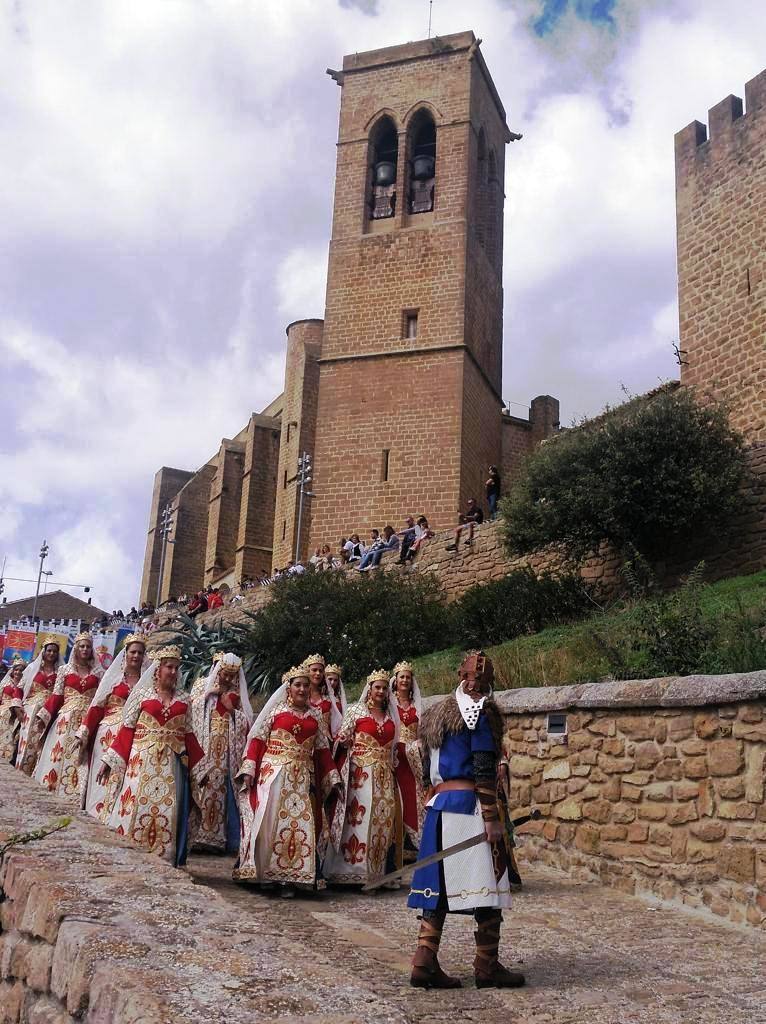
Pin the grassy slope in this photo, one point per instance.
(569, 654)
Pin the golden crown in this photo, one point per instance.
(85, 635)
(228, 660)
(50, 638)
(285, 678)
(378, 675)
(314, 659)
(298, 671)
(135, 638)
(403, 666)
(333, 670)
(17, 660)
(165, 653)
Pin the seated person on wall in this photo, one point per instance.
(389, 542)
(472, 516)
(407, 537)
(353, 548)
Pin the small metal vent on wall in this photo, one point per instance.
(557, 724)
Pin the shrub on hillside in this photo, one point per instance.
(648, 476)
(519, 603)
(360, 621)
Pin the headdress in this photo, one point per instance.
(477, 663)
(16, 662)
(116, 671)
(314, 659)
(224, 659)
(227, 660)
(297, 671)
(165, 653)
(333, 670)
(85, 635)
(378, 675)
(36, 664)
(135, 638)
(51, 638)
(402, 666)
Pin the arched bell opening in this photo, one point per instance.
(422, 163)
(384, 154)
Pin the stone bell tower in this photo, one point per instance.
(409, 404)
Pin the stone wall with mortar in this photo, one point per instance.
(656, 787)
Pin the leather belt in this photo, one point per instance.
(453, 784)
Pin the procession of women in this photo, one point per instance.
(312, 790)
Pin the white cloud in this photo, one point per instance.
(301, 280)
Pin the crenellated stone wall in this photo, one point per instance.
(657, 786)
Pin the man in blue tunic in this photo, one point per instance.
(462, 739)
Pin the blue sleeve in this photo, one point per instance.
(481, 737)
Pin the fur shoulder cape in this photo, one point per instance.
(444, 719)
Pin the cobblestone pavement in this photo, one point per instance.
(589, 953)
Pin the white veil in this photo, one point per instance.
(116, 670)
(230, 661)
(279, 696)
(34, 667)
(417, 699)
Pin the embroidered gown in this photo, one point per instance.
(222, 735)
(31, 731)
(364, 822)
(10, 703)
(58, 767)
(150, 753)
(287, 752)
(97, 732)
(409, 774)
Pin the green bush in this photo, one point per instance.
(649, 476)
(519, 603)
(360, 621)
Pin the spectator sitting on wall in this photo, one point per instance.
(296, 568)
(354, 548)
(389, 542)
(316, 558)
(422, 534)
(408, 537)
(472, 516)
(493, 491)
(215, 600)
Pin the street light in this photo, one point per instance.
(43, 556)
(165, 526)
(303, 477)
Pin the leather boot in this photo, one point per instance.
(488, 970)
(426, 972)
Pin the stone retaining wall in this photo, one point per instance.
(93, 929)
(742, 550)
(657, 786)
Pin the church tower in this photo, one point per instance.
(409, 394)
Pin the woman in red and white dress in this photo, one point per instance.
(222, 716)
(336, 692)
(58, 767)
(37, 684)
(10, 709)
(154, 741)
(288, 756)
(102, 720)
(363, 833)
(405, 692)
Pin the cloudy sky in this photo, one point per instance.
(165, 200)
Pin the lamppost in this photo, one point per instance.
(43, 556)
(303, 477)
(165, 526)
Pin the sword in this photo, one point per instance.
(434, 858)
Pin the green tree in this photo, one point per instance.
(649, 476)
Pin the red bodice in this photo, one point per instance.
(221, 708)
(408, 716)
(301, 727)
(154, 707)
(80, 683)
(12, 692)
(45, 679)
(384, 733)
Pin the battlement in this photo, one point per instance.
(696, 140)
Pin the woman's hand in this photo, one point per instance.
(103, 774)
